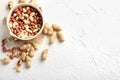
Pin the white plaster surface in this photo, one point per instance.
(91, 50)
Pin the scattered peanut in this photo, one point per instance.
(52, 38)
(25, 46)
(45, 31)
(22, 1)
(44, 54)
(11, 56)
(18, 69)
(50, 31)
(60, 36)
(46, 26)
(28, 59)
(31, 53)
(35, 45)
(19, 63)
(56, 27)
(10, 4)
(23, 56)
(6, 61)
(28, 64)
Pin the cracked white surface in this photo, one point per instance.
(92, 47)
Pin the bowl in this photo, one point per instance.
(9, 17)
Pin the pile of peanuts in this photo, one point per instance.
(51, 31)
(25, 22)
(25, 50)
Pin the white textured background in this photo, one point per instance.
(92, 47)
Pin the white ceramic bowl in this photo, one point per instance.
(10, 13)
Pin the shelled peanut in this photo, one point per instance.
(25, 22)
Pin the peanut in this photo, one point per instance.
(10, 4)
(27, 8)
(19, 63)
(32, 14)
(23, 56)
(56, 27)
(35, 30)
(25, 46)
(14, 14)
(31, 18)
(45, 31)
(44, 54)
(27, 28)
(46, 25)
(16, 55)
(60, 36)
(18, 69)
(50, 31)
(24, 10)
(35, 45)
(31, 53)
(26, 21)
(6, 61)
(28, 59)
(11, 56)
(25, 15)
(18, 18)
(28, 64)
(52, 38)
(22, 1)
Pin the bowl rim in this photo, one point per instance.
(10, 13)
